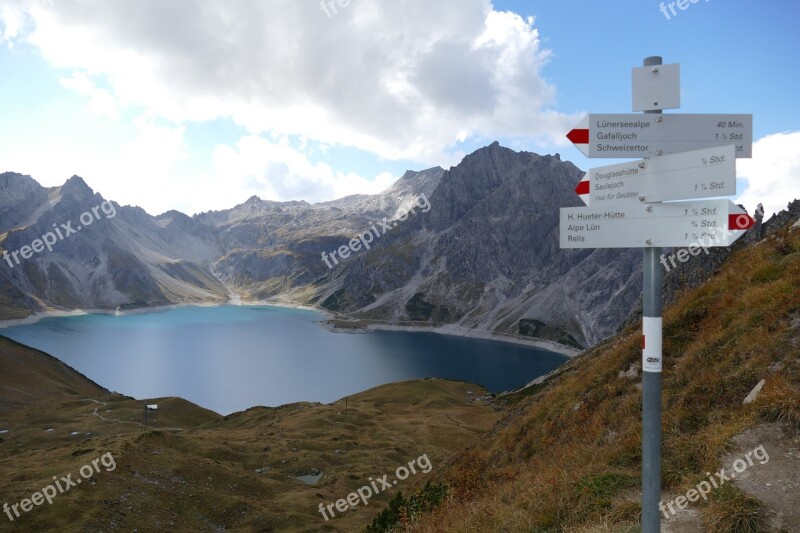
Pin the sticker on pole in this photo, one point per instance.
(651, 344)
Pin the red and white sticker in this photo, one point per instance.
(651, 344)
(740, 221)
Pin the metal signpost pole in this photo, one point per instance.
(651, 379)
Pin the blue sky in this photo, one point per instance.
(735, 55)
(198, 108)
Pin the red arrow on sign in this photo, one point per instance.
(583, 189)
(580, 136)
(740, 221)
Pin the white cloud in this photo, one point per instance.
(138, 170)
(277, 171)
(100, 101)
(773, 174)
(403, 80)
(14, 19)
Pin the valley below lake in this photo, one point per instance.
(230, 358)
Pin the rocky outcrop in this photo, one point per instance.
(100, 255)
(487, 256)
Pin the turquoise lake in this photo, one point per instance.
(230, 358)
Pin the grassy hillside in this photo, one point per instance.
(194, 470)
(31, 377)
(567, 455)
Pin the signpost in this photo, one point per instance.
(628, 135)
(705, 223)
(626, 212)
(700, 174)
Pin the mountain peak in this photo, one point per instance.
(10, 180)
(76, 187)
(19, 191)
(488, 152)
(76, 179)
(415, 174)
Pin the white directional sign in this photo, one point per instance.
(685, 176)
(649, 135)
(706, 224)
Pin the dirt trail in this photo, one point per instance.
(684, 521)
(101, 417)
(776, 483)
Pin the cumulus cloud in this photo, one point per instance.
(773, 174)
(137, 170)
(12, 18)
(100, 100)
(403, 80)
(277, 170)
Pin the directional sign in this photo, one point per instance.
(685, 176)
(704, 224)
(648, 135)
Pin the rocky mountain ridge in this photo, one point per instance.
(483, 255)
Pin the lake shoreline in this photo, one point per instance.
(449, 329)
(60, 313)
(458, 331)
(229, 358)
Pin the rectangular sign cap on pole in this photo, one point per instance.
(656, 87)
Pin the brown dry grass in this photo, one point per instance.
(568, 458)
(196, 470)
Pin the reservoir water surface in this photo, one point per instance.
(230, 358)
